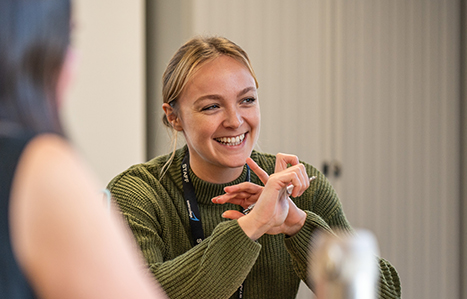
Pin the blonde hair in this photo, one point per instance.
(189, 58)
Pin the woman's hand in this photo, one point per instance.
(243, 194)
(273, 194)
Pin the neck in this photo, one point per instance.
(216, 175)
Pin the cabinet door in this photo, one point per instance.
(400, 99)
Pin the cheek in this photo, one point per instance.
(198, 128)
(254, 119)
(255, 124)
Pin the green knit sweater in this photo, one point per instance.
(271, 267)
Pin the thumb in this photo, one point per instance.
(232, 214)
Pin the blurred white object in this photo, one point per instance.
(345, 267)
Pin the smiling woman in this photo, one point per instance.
(185, 208)
(218, 113)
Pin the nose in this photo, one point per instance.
(233, 118)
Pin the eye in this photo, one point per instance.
(210, 107)
(249, 100)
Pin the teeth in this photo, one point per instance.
(231, 140)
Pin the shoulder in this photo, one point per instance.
(49, 169)
(50, 188)
(47, 155)
(146, 180)
(147, 171)
(59, 224)
(49, 163)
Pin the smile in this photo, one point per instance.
(231, 141)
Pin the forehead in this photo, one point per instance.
(221, 74)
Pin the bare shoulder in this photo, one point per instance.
(49, 184)
(46, 144)
(50, 172)
(51, 178)
(50, 156)
(61, 228)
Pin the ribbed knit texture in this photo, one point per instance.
(271, 267)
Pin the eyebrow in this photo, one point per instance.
(219, 97)
(246, 90)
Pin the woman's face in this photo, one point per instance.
(218, 112)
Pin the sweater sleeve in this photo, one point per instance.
(208, 270)
(325, 213)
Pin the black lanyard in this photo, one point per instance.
(191, 203)
(192, 206)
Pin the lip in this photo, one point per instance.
(228, 140)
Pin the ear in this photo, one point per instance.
(172, 117)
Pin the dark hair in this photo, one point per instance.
(34, 37)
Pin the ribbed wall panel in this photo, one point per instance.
(375, 86)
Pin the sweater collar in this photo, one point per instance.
(205, 191)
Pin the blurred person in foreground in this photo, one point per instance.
(57, 239)
(185, 208)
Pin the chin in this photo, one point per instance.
(237, 165)
(236, 161)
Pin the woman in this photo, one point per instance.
(57, 239)
(176, 206)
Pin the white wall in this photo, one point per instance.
(104, 115)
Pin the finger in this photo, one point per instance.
(305, 177)
(222, 199)
(300, 182)
(243, 199)
(244, 187)
(262, 175)
(232, 214)
(304, 180)
(297, 183)
(283, 159)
